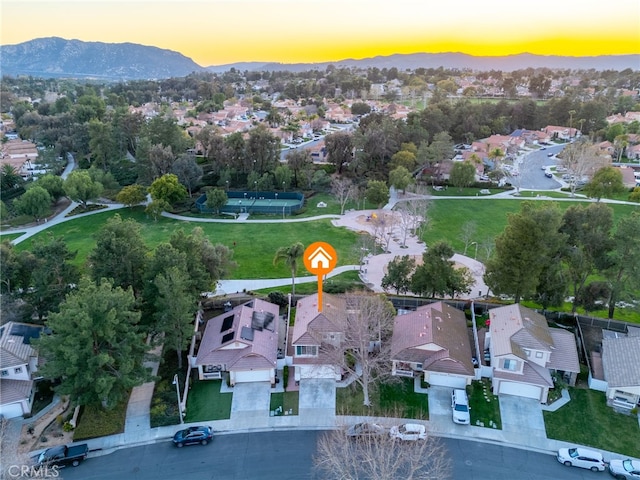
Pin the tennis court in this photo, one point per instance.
(275, 203)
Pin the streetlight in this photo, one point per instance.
(227, 182)
(176, 383)
(283, 187)
(255, 183)
(475, 256)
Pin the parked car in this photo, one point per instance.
(581, 457)
(64, 455)
(409, 432)
(460, 407)
(549, 154)
(365, 430)
(625, 469)
(193, 435)
(548, 174)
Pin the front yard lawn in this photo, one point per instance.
(387, 400)
(287, 401)
(485, 406)
(205, 402)
(586, 420)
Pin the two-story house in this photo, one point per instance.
(433, 341)
(18, 367)
(313, 329)
(524, 352)
(242, 342)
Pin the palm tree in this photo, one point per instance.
(290, 255)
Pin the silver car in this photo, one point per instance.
(365, 430)
(625, 469)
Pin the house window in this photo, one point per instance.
(5, 373)
(17, 370)
(306, 350)
(510, 365)
(538, 354)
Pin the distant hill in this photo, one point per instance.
(463, 61)
(58, 57)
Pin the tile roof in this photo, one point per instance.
(310, 324)
(15, 390)
(621, 361)
(434, 335)
(514, 327)
(15, 349)
(229, 343)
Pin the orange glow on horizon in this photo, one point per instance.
(216, 32)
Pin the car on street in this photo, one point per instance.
(549, 154)
(193, 435)
(625, 469)
(543, 148)
(581, 457)
(361, 430)
(460, 407)
(548, 174)
(409, 432)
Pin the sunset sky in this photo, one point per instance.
(216, 32)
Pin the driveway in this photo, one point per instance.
(522, 417)
(317, 401)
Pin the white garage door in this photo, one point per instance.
(11, 410)
(440, 380)
(521, 390)
(253, 376)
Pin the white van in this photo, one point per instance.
(460, 407)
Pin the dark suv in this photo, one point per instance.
(193, 435)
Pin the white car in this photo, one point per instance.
(581, 457)
(625, 469)
(460, 407)
(409, 432)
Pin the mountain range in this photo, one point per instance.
(57, 57)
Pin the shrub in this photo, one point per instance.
(67, 427)
(285, 375)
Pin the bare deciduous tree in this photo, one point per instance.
(467, 233)
(581, 159)
(418, 210)
(364, 349)
(383, 224)
(380, 457)
(344, 190)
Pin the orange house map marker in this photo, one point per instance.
(319, 259)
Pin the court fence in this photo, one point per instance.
(252, 202)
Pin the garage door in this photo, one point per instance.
(253, 376)
(11, 410)
(440, 380)
(521, 390)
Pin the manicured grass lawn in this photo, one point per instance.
(205, 402)
(255, 244)
(387, 400)
(485, 406)
(463, 192)
(287, 400)
(587, 420)
(446, 218)
(9, 236)
(98, 422)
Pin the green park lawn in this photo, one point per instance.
(587, 420)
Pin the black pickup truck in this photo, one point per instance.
(64, 455)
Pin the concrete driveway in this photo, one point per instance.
(317, 401)
(522, 417)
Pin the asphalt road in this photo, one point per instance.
(289, 456)
(531, 174)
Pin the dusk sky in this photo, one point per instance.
(216, 32)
